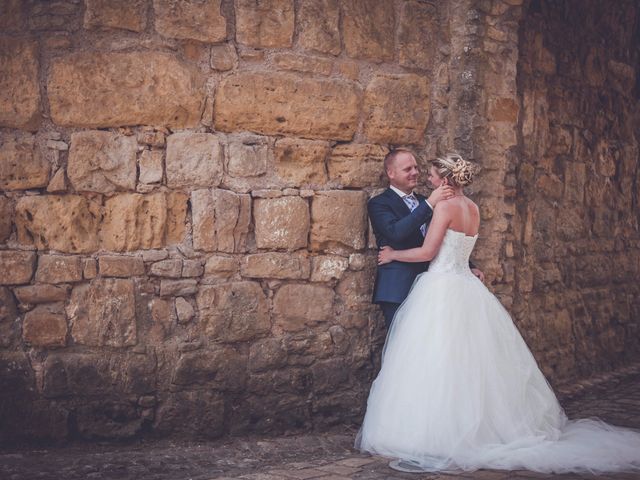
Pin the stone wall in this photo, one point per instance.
(184, 245)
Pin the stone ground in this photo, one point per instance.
(323, 456)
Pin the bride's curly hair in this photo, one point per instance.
(455, 168)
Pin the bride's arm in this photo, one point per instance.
(430, 246)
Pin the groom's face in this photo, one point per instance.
(403, 172)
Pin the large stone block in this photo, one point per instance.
(102, 313)
(368, 27)
(281, 222)
(193, 160)
(265, 24)
(19, 89)
(33, 294)
(248, 156)
(276, 265)
(301, 162)
(233, 312)
(177, 203)
(358, 166)
(338, 221)
(7, 212)
(220, 220)
(190, 20)
(45, 326)
(112, 89)
(22, 165)
(59, 269)
(418, 34)
(397, 109)
(318, 25)
(133, 221)
(325, 268)
(122, 14)
(67, 223)
(102, 161)
(120, 266)
(16, 267)
(296, 306)
(282, 103)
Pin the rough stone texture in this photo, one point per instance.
(120, 266)
(184, 310)
(19, 90)
(102, 313)
(80, 85)
(45, 326)
(17, 267)
(367, 24)
(7, 210)
(248, 156)
(301, 162)
(338, 220)
(233, 312)
(318, 24)
(33, 294)
(265, 24)
(219, 265)
(8, 317)
(123, 14)
(297, 305)
(59, 269)
(151, 168)
(167, 268)
(193, 160)
(281, 103)
(325, 268)
(22, 164)
(397, 109)
(275, 265)
(303, 63)
(190, 20)
(102, 162)
(220, 220)
(178, 287)
(418, 34)
(223, 57)
(281, 222)
(356, 165)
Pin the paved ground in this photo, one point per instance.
(323, 456)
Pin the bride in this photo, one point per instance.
(458, 388)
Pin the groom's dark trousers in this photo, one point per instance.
(395, 225)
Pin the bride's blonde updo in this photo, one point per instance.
(452, 166)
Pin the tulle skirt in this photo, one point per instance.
(460, 390)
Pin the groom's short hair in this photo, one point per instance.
(390, 157)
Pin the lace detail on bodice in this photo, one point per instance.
(454, 253)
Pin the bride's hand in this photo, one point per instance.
(385, 255)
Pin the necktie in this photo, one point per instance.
(412, 202)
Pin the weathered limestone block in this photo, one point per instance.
(196, 412)
(102, 161)
(19, 90)
(33, 294)
(303, 63)
(163, 314)
(193, 160)
(102, 313)
(281, 222)
(265, 24)
(367, 27)
(233, 312)
(59, 269)
(318, 24)
(338, 220)
(301, 162)
(120, 266)
(89, 268)
(184, 310)
(221, 266)
(397, 109)
(178, 287)
(45, 326)
(112, 89)
(8, 317)
(22, 165)
(192, 268)
(133, 221)
(267, 353)
(223, 57)
(123, 14)
(355, 288)
(16, 267)
(58, 182)
(150, 164)
(275, 265)
(358, 166)
(167, 268)
(325, 268)
(283, 103)
(68, 223)
(248, 156)
(190, 20)
(176, 217)
(17, 375)
(418, 34)
(221, 220)
(7, 212)
(296, 306)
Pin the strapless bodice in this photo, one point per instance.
(454, 253)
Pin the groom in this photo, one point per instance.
(400, 219)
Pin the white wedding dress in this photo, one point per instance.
(460, 390)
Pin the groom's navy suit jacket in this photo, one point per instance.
(395, 225)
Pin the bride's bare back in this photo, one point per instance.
(463, 213)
